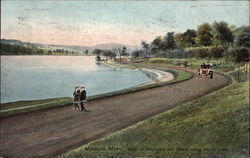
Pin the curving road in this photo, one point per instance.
(48, 133)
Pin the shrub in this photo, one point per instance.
(239, 54)
(216, 52)
(200, 52)
(242, 55)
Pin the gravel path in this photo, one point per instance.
(50, 132)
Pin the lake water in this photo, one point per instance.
(42, 77)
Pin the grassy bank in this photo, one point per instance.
(12, 108)
(215, 125)
(193, 63)
(8, 109)
(124, 66)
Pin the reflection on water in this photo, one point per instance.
(40, 77)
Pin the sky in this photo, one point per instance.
(88, 23)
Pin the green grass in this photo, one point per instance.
(124, 66)
(13, 108)
(215, 125)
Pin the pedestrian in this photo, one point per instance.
(83, 98)
(199, 73)
(76, 94)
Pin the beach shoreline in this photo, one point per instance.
(161, 76)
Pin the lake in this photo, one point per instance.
(42, 77)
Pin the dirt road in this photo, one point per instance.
(50, 132)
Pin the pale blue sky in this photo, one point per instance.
(126, 22)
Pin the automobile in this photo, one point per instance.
(207, 70)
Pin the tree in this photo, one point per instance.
(97, 52)
(7, 49)
(119, 52)
(107, 54)
(222, 35)
(169, 42)
(242, 55)
(137, 54)
(145, 46)
(189, 37)
(116, 52)
(157, 44)
(242, 36)
(233, 28)
(180, 40)
(186, 39)
(204, 35)
(40, 51)
(124, 52)
(86, 51)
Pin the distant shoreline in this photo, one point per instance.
(48, 55)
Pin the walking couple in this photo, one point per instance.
(79, 98)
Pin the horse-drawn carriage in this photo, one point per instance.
(206, 70)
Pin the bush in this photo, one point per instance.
(242, 55)
(163, 54)
(98, 58)
(137, 54)
(239, 54)
(216, 52)
(199, 52)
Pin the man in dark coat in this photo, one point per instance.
(82, 99)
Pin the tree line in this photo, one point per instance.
(8, 49)
(111, 54)
(214, 40)
(63, 51)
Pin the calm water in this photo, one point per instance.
(41, 77)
